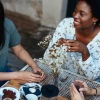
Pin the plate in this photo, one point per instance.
(12, 89)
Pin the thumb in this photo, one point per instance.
(82, 94)
(83, 89)
(34, 70)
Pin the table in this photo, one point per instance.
(64, 80)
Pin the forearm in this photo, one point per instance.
(93, 91)
(25, 56)
(7, 76)
(85, 55)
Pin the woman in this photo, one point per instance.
(78, 95)
(9, 37)
(80, 35)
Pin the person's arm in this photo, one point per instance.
(21, 53)
(86, 89)
(21, 76)
(7, 76)
(95, 91)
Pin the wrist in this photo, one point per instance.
(86, 52)
(15, 75)
(94, 91)
(34, 66)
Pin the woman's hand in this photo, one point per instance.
(39, 71)
(85, 88)
(61, 41)
(25, 76)
(76, 46)
(75, 95)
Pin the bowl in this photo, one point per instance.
(9, 90)
(31, 91)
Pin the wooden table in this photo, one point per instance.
(64, 80)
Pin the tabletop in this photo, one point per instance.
(65, 78)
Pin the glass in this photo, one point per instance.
(63, 77)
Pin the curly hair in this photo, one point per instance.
(95, 8)
(2, 37)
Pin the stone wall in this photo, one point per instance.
(31, 8)
(47, 12)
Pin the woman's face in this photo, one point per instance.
(82, 15)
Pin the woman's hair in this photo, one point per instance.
(2, 36)
(95, 8)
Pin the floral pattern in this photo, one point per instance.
(73, 60)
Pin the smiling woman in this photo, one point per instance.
(81, 55)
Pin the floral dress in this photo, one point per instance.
(72, 61)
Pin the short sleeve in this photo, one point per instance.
(14, 35)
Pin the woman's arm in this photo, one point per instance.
(86, 89)
(7, 76)
(21, 76)
(21, 53)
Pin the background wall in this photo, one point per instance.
(31, 8)
(47, 12)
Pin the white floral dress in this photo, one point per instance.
(73, 60)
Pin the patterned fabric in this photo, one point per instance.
(73, 60)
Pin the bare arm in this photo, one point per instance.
(86, 89)
(21, 53)
(7, 76)
(85, 55)
(21, 76)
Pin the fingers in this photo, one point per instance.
(83, 89)
(73, 91)
(29, 77)
(62, 40)
(71, 47)
(83, 85)
(33, 78)
(81, 82)
(82, 94)
(38, 78)
(41, 73)
(74, 88)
